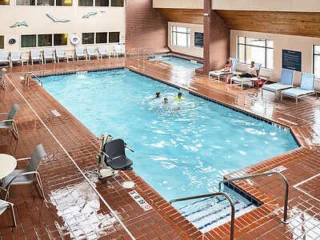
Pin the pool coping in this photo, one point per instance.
(163, 207)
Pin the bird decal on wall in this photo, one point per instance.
(89, 14)
(20, 24)
(56, 20)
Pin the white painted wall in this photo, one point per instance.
(268, 5)
(112, 19)
(296, 43)
(192, 50)
(188, 4)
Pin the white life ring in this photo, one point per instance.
(75, 40)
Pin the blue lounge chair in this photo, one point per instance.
(286, 82)
(306, 87)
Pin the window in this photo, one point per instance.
(60, 39)
(63, 2)
(4, 2)
(102, 37)
(114, 37)
(26, 2)
(85, 3)
(44, 40)
(87, 38)
(45, 2)
(180, 36)
(28, 41)
(103, 3)
(316, 61)
(258, 50)
(117, 3)
(1, 42)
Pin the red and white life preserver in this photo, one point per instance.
(74, 40)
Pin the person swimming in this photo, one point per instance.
(179, 97)
(157, 95)
(165, 101)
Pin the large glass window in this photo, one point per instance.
(87, 38)
(44, 40)
(60, 39)
(114, 37)
(117, 3)
(258, 50)
(26, 2)
(63, 2)
(180, 36)
(45, 2)
(103, 3)
(4, 2)
(101, 37)
(316, 61)
(85, 3)
(28, 41)
(1, 42)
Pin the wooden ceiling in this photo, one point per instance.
(291, 23)
(194, 16)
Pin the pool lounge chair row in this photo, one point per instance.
(285, 86)
(49, 54)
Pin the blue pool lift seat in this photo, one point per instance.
(115, 155)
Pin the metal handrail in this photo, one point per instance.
(212, 195)
(35, 76)
(286, 196)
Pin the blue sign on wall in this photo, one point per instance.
(198, 39)
(291, 60)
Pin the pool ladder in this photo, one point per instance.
(28, 75)
(286, 197)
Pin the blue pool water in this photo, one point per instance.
(182, 148)
(177, 62)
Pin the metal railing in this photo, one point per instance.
(31, 74)
(286, 196)
(212, 195)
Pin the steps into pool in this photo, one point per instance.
(208, 213)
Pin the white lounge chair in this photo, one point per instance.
(286, 82)
(2, 79)
(80, 53)
(16, 57)
(306, 87)
(60, 54)
(219, 74)
(119, 50)
(102, 51)
(4, 57)
(48, 55)
(92, 52)
(36, 56)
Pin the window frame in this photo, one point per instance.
(265, 47)
(37, 40)
(4, 41)
(54, 4)
(314, 54)
(188, 37)
(29, 35)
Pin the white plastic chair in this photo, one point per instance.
(4, 57)
(4, 205)
(102, 51)
(16, 57)
(60, 54)
(36, 56)
(92, 52)
(80, 53)
(120, 50)
(2, 78)
(48, 55)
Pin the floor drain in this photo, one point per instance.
(128, 184)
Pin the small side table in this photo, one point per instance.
(7, 164)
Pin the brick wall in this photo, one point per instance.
(145, 26)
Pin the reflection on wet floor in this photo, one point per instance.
(79, 206)
(304, 226)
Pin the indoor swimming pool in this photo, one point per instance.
(177, 62)
(182, 148)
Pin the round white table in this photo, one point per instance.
(7, 165)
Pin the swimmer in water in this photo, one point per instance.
(165, 101)
(157, 95)
(179, 97)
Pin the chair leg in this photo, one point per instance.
(15, 129)
(40, 185)
(13, 216)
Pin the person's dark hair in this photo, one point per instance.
(180, 94)
(157, 94)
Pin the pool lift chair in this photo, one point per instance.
(112, 156)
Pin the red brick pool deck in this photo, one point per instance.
(71, 148)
